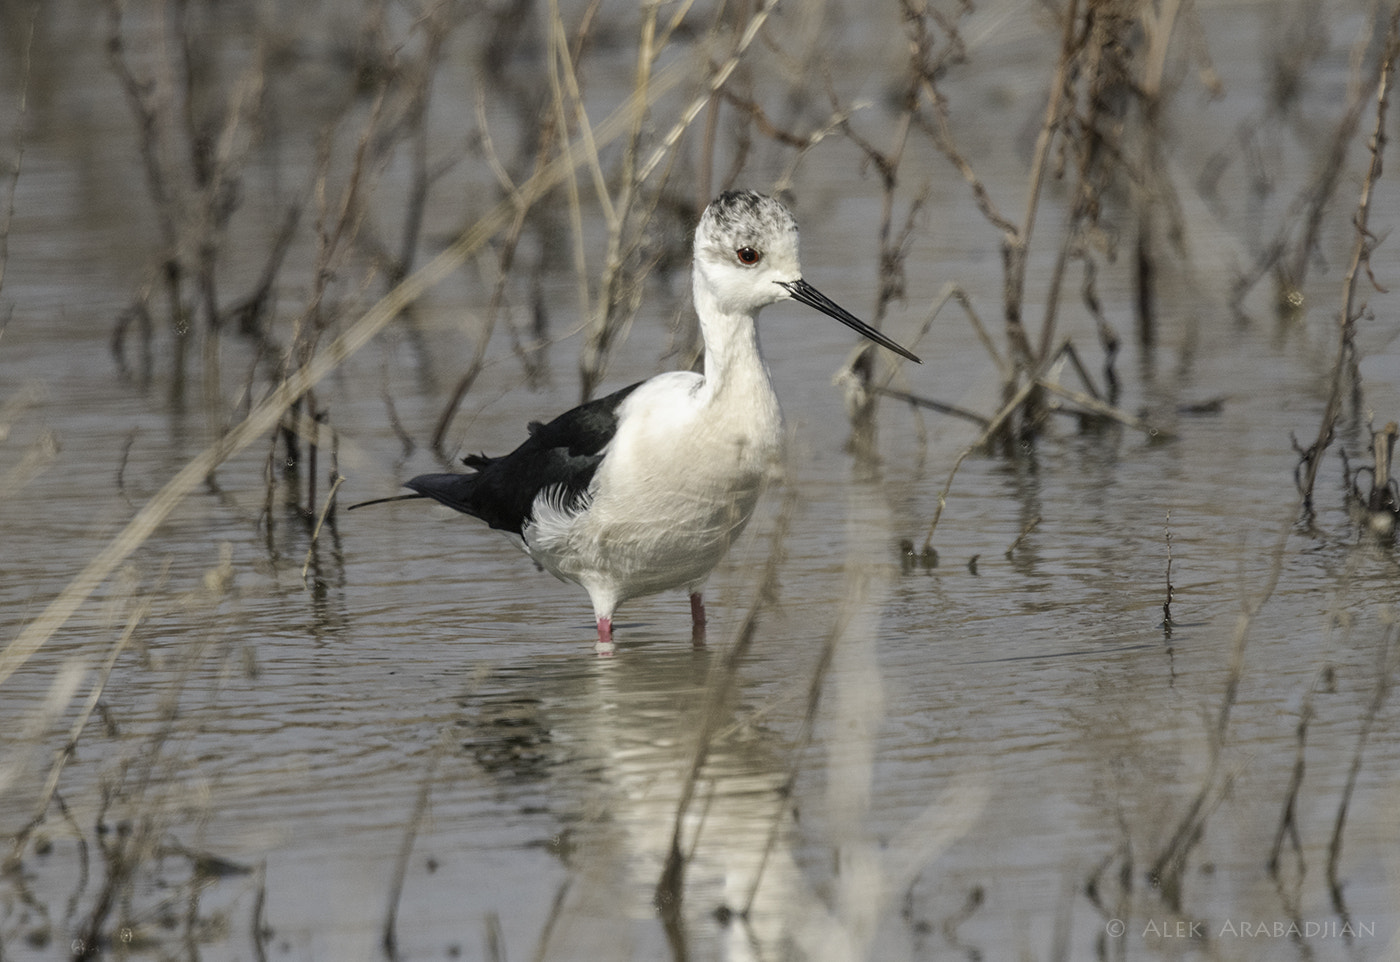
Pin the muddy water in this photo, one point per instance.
(298, 741)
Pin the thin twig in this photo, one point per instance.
(65, 752)
(1094, 406)
(389, 933)
(985, 438)
(941, 407)
(7, 213)
(670, 887)
(1288, 818)
(266, 414)
(1025, 533)
(556, 911)
(1364, 243)
(1167, 604)
(320, 520)
(1168, 869)
(1379, 693)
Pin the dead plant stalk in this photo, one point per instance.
(269, 411)
(1364, 243)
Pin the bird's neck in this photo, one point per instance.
(737, 393)
(734, 368)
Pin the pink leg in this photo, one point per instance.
(697, 620)
(605, 631)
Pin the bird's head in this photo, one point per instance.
(746, 259)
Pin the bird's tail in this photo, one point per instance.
(456, 491)
(397, 497)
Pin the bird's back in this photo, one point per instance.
(561, 456)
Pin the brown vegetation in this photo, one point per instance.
(716, 95)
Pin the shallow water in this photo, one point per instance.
(1005, 743)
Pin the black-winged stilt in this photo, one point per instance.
(645, 490)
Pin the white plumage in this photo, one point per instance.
(646, 489)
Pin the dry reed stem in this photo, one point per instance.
(7, 211)
(951, 291)
(1362, 247)
(567, 70)
(229, 157)
(558, 57)
(834, 123)
(992, 427)
(65, 752)
(957, 293)
(1025, 533)
(858, 375)
(925, 61)
(37, 456)
(1385, 668)
(1168, 869)
(1291, 272)
(505, 260)
(25, 397)
(1068, 351)
(259, 933)
(815, 688)
(1383, 450)
(193, 167)
(1116, 36)
(1167, 622)
(320, 520)
(1009, 408)
(267, 413)
(437, 24)
(144, 783)
(1094, 406)
(940, 132)
(870, 873)
(1099, 44)
(148, 106)
(1376, 505)
(388, 938)
(941, 407)
(1016, 245)
(586, 150)
(251, 311)
(1288, 818)
(720, 686)
(333, 246)
(477, 362)
(667, 144)
(619, 288)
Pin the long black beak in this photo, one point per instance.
(809, 295)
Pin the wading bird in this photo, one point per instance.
(644, 490)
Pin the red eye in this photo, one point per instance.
(747, 255)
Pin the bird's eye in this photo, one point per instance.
(748, 256)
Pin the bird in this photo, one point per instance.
(644, 490)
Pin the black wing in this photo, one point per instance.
(565, 452)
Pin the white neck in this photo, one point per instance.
(733, 365)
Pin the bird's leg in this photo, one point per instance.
(605, 638)
(697, 619)
(697, 610)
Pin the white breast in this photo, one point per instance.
(679, 482)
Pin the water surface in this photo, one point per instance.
(298, 741)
